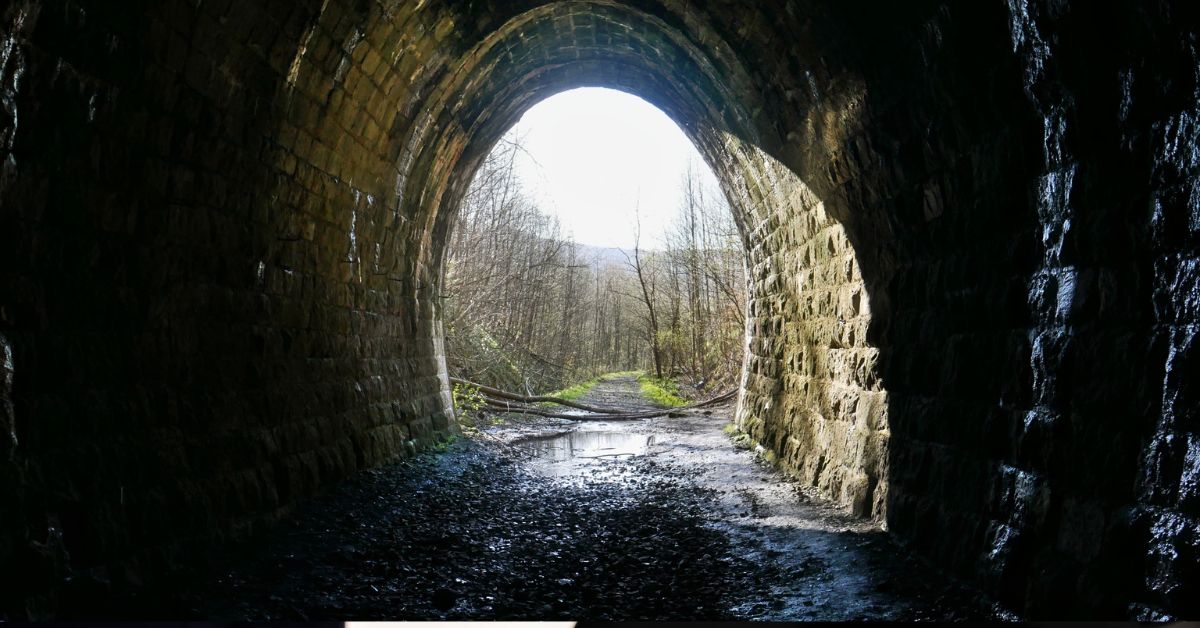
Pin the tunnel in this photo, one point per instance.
(971, 228)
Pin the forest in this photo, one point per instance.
(527, 308)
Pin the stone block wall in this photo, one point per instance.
(997, 170)
(971, 230)
(211, 303)
(816, 400)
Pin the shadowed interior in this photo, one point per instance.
(971, 233)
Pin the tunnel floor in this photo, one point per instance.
(543, 519)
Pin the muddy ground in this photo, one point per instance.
(544, 519)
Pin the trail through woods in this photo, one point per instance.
(528, 308)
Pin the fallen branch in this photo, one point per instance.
(509, 396)
(500, 401)
(612, 416)
(725, 396)
(503, 394)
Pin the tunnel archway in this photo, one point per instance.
(838, 447)
(223, 223)
(836, 441)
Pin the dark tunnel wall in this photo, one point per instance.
(972, 230)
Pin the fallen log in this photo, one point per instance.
(510, 396)
(496, 405)
(615, 416)
(725, 396)
(503, 394)
(501, 401)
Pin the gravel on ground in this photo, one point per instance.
(545, 519)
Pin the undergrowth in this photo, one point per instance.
(740, 439)
(663, 392)
(442, 446)
(571, 393)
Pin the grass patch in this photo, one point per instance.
(571, 393)
(662, 392)
(442, 446)
(740, 439)
(743, 442)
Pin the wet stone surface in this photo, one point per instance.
(656, 519)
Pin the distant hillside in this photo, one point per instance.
(601, 256)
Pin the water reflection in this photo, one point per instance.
(589, 445)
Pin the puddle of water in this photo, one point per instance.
(588, 446)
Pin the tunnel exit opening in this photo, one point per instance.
(809, 384)
(593, 239)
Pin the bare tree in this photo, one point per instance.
(647, 284)
(528, 308)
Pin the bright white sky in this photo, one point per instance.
(593, 153)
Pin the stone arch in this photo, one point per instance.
(836, 441)
(219, 243)
(672, 56)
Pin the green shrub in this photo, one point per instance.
(467, 401)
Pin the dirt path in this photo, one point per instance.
(651, 519)
(819, 563)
